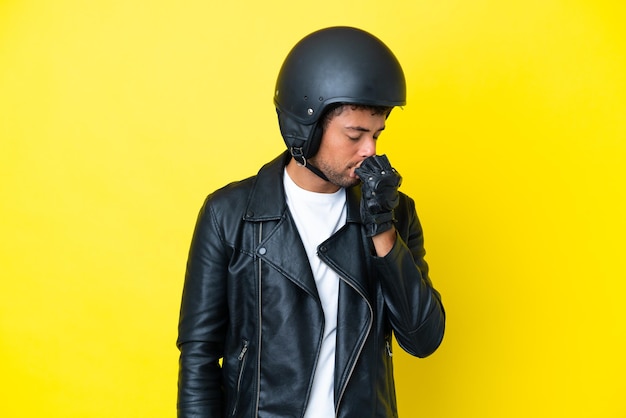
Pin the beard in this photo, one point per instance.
(336, 177)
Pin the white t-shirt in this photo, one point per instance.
(318, 216)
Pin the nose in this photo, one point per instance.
(368, 147)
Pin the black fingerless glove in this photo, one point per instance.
(379, 194)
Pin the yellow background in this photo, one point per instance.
(117, 117)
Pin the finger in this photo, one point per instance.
(376, 164)
(369, 165)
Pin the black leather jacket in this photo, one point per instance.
(250, 299)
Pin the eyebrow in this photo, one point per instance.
(362, 129)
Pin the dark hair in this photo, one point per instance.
(338, 108)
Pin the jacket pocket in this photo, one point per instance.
(242, 362)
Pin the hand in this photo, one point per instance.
(379, 194)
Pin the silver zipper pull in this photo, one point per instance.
(388, 346)
(243, 350)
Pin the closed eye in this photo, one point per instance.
(360, 130)
(358, 137)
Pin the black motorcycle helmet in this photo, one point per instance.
(333, 66)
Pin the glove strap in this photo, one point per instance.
(379, 223)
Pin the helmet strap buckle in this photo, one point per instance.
(298, 155)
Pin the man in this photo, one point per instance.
(298, 277)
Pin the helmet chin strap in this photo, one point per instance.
(317, 172)
(296, 153)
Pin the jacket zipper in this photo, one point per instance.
(388, 347)
(258, 361)
(243, 352)
(242, 361)
(369, 328)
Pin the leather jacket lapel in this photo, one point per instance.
(283, 250)
(345, 253)
(280, 245)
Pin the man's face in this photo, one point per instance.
(349, 138)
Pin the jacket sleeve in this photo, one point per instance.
(414, 306)
(202, 323)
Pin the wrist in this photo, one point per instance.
(384, 241)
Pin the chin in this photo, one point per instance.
(340, 178)
(347, 182)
